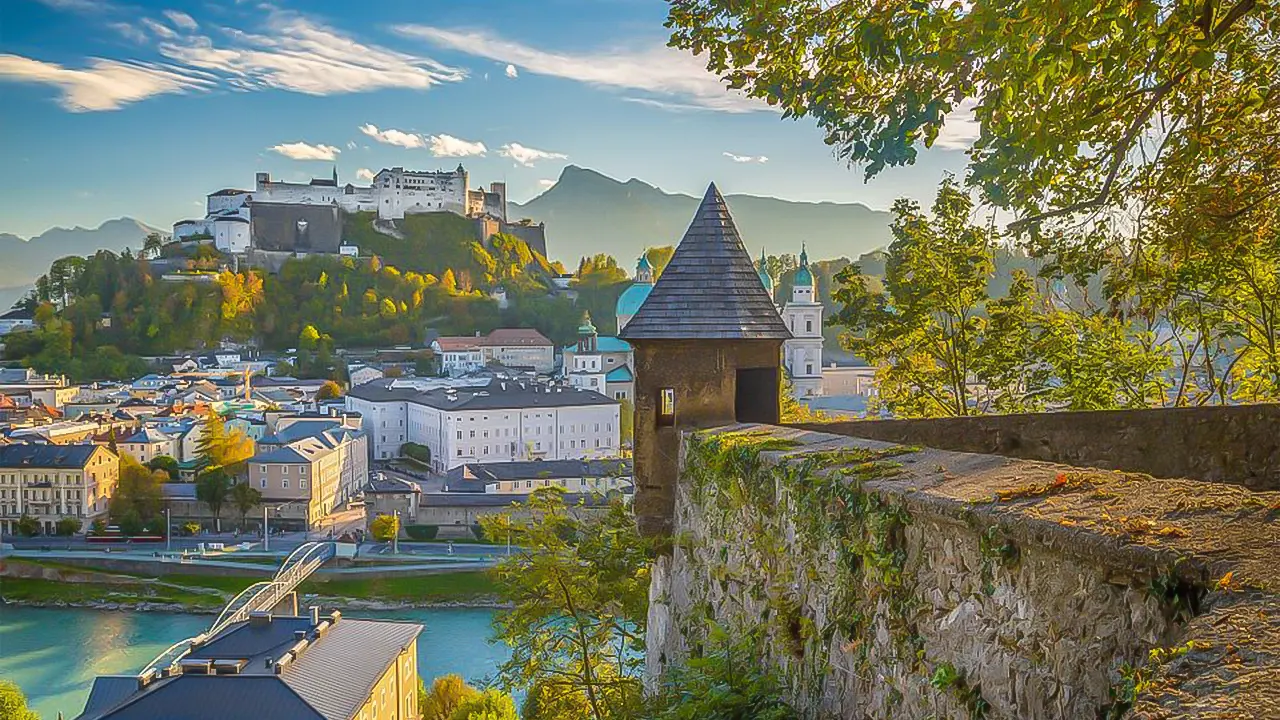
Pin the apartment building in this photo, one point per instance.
(51, 482)
(316, 667)
(308, 469)
(512, 347)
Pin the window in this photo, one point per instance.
(302, 484)
(667, 407)
(302, 469)
(284, 469)
(263, 482)
(459, 434)
(284, 484)
(808, 326)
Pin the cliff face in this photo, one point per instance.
(883, 581)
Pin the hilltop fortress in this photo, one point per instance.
(240, 220)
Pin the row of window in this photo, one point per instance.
(284, 483)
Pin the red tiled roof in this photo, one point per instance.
(505, 337)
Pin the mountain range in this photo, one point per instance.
(27, 259)
(587, 212)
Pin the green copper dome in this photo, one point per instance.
(803, 276)
(632, 298)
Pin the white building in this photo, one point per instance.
(17, 319)
(512, 347)
(503, 421)
(802, 354)
(394, 193)
(231, 233)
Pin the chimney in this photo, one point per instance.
(259, 618)
(315, 615)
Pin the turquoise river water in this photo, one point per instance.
(54, 654)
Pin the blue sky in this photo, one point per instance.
(136, 108)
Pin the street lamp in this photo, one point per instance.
(395, 537)
(168, 531)
(266, 534)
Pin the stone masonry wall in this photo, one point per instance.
(1239, 444)
(890, 582)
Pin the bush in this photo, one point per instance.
(447, 694)
(478, 531)
(13, 704)
(66, 527)
(421, 532)
(191, 528)
(385, 527)
(28, 526)
(489, 705)
(414, 451)
(98, 527)
(726, 682)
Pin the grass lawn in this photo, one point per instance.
(457, 586)
(46, 591)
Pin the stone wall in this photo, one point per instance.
(885, 582)
(1239, 444)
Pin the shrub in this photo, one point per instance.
(489, 705)
(13, 704)
(191, 528)
(447, 694)
(422, 532)
(385, 527)
(478, 531)
(66, 527)
(726, 682)
(28, 526)
(414, 451)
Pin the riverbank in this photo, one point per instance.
(44, 584)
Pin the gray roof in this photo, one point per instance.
(209, 697)
(46, 456)
(382, 390)
(337, 673)
(710, 288)
(510, 395)
(476, 475)
(108, 691)
(497, 500)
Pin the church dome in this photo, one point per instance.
(803, 276)
(632, 298)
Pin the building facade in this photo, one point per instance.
(511, 347)
(307, 471)
(802, 354)
(51, 482)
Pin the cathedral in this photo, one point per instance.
(802, 354)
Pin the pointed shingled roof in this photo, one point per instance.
(710, 289)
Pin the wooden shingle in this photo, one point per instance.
(710, 288)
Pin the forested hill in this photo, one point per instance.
(588, 213)
(27, 259)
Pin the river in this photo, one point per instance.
(54, 654)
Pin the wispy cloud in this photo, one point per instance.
(746, 158)
(181, 20)
(159, 29)
(104, 84)
(365, 174)
(306, 151)
(79, 6)
(527, 156)
(512, 72)
(450, 146)
(399, 138)
(301, 55)
(129, 32)
(656, 69)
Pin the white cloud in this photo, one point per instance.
(129, 32)
(746, 158)
(512, 72)
(450, 146)
(365, 174)
(959, 129)
(104, 84)
(306, 151)
(657, 69)
(79, 6)
(298, 54)
(399, 138)
(527, 156)
(181, 20)
(546, 183)
(160, 29)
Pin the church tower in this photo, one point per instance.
(802, 354)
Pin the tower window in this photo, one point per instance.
(808, 326)
(666, 407)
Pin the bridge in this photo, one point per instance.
(258, 597)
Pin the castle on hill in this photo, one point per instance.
(310, 211)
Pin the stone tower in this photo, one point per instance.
(802, 354)
(708, 343)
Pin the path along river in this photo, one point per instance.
(54, 654)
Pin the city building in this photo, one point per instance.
(51, 482)
(633, 297)
(601, 364)
(52, 391)
(308, 467)
(17, 319)
(707, 341)
(802, 354)
(309, 667)
(522, 478)
(512, 347)
(149, 443)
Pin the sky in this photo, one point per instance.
(113, 108)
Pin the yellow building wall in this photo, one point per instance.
(395, 696)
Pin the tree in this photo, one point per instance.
(578, 591)
(447, 694)
(66, 527)
(658, 258)
(488, 705)
(219, 447)
(554, 702)
(27, 526)
(137, 495)
(416, 451)
(13, 704)
(245, 498)
(385, 528)
(1081, 107)
(329, 391)
(165, 464)
(213, 488)
(152, 244)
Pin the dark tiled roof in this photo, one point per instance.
(498, 500)
(337, 673)
(18, 314)
(710, 289)
(510, 396)
(108, 691)
(211, 697)
(388, 485)
(229, 191)
(46, 456)
(247, 641)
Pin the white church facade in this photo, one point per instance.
(802, 354)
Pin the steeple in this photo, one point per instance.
(587, 334)
(644, 270)
(710, 289)
(804, 276)
(335, 175)
(762, 269)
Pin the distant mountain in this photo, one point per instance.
(26, 260)
(588, 213)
